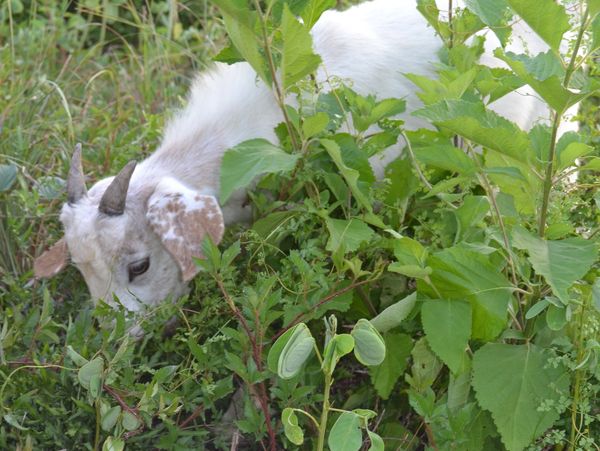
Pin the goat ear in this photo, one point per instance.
(53, 261)
(182, 218)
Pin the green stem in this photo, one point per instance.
(97, 437)
(579, 373)
(324, 413)
(279, 93)
(549, 175)
(548, 179)
(571, 67)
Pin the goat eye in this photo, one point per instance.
(138, 268)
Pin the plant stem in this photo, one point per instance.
(278, 91)
(549, 176)
(571, 67)
(555, 124)
(579, 373)
(324, 413)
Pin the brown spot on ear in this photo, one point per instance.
(182, 225)
(53, 261)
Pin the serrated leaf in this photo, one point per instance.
(345, 435)
(290, 426)
(493, 13)
(446, 157)
(369, 346)
(463, 274)
(246, 161)
(311, 13)
(561, 262)
(385, 376)
(568, 155)
(512, 381)
(295, 352)
(297, 56)
(447, 325)
(393, 315)
(313, 125)
(546, 17)
(480, 125)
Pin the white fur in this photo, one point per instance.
(371, 45)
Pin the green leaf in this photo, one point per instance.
(568, 155)
(556, 317)
(8, 175)
(246, 43)
(560, 262)
(109, 419)
(385, 376)
(376, 441)
(480, 125)
(425, 367)
(512, 382)
(76, 357)
(463, 274)
(311, 13)
(313, 125)
(493, 13)
(445, 157)
(345, 435)
(339, 346)
(350, 175)
(295, 352)
(113, 444)
(297, 57)
(369, 346)
(93, 368)
(447, 325)
(550, 88)
(546, 17)
(393, 315)
(596, 294)
(246, 161)
(129, 421)
(349, 232)
(292, 431)
(537, 308)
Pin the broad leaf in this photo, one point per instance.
(493, 13)
(543, 75)
(480, 125)
(560, 262)
(345, 435)
(446, 157)
(393, 315)
(385, 376)
(297, 57)
(290, 426)
(369, 346)
(512, 382)
(244, 162)
(463, 274)
(311, 13)
(93, 368)
(109, 419)
(296, 351)
(546, 17)
(350, 175)
(350, 233)
(447, 325)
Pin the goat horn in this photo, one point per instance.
(113, 200)
(75, 181)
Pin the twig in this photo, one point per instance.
(197, 411)
(121, 402)
(326, 299)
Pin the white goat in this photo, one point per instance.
(135, 235)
